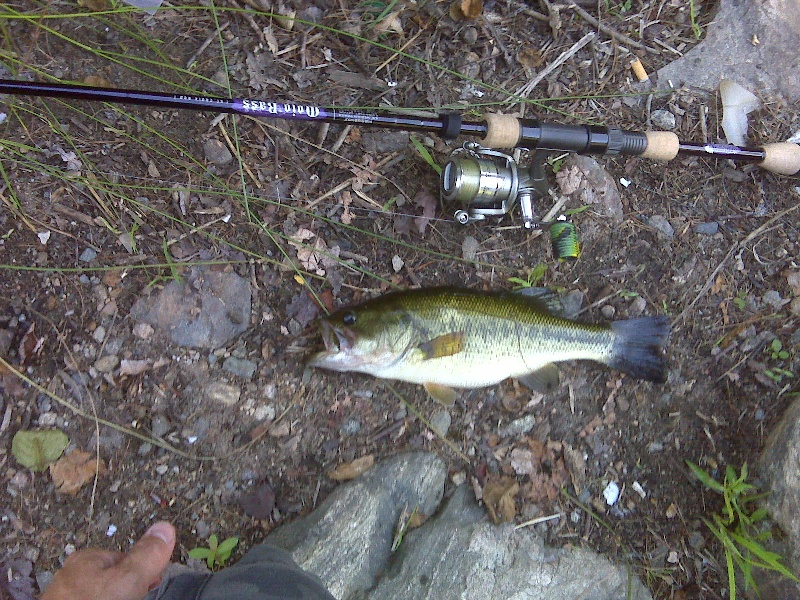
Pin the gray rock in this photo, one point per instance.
(729, 50)
(217, 153)
(204, 310)
(223, 392)
(347, 540)
(663, 226)
(779, 469)
(587, 182)
(460, 555)
(706, 228)
(469, 248)
(87, 255)
(239, 367)
(381, 142)
(440, 422)
(663, 119)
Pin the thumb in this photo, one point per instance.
(147, 559)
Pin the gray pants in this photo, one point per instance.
(264, 573)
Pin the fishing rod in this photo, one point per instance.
(487, 182)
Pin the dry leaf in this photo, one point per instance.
(353, 469)
(498, 496)
(97, 80)
(462, 10)
(428, 202)
(75, 470)
(530, 58)
(390, 23)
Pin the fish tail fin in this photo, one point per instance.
(637, 347)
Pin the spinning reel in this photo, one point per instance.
(489, 183)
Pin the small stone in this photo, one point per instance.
(87, 255)
(264, 412)
(350, 427)
(611, 493)
(663, 119)
(654, 447)
(696, 540)
(217, 153)
(99, 334)
(469, 248)
(160, 426)
(773, 299)
(48, 419)
(106, 364)
(222, 392)
(470, 36)
(637, 306)
(145, 449)
(572, 303)
(440, 422)
(239, 367)
(397, 263)
(518, 427)
(143, 330)
(706, 228)
(161, 469)
(661, 224)
(608, 311)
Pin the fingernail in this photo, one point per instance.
(163, 531)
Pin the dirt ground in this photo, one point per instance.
(104, 204)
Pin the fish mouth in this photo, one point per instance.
(339, 344)
(336, 339)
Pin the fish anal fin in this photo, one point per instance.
(543, 380)
(443, 394)
(443, 345)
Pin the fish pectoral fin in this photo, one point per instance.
(441, 393)
(543, 380)
(443, 345)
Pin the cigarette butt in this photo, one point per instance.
(638, 70)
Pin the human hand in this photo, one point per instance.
(95, 574)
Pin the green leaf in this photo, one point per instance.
(705, 478)
(38, 449)
(226, 547)
(426, 156)
(199, 553)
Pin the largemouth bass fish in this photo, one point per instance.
(448, 338)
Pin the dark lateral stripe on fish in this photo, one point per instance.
(637, 347)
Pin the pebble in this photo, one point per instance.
(572, 303)
(440, 422)
(143, 330)
(239, 367)
(608, 311)
(99, 334)
(160, 426)
(660, 223)
(470, 36)
(106, 364)
(265, 411)
(48, 419)
(469, 248)
(696, 540)
(217, 153)
(637, 306)
(706, 228)
(161, 469)
(87, 255)
(350, 427)
(773, 298)
(663, 119)
(611, 493)
(224, 393)
(397, 263)
(518, 427)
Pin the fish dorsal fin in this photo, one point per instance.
(543, 298)
(443, 394)
(447, 344)
(543, 380)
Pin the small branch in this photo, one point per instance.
(609, 31)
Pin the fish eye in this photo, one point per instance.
(349, 318)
